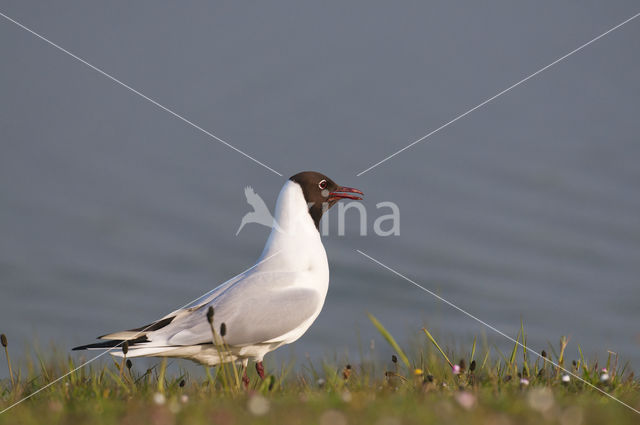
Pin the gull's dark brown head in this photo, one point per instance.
(321, 193)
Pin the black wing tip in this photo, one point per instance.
(111, 343)
(154, 326)
(107, 344)
(148, 328)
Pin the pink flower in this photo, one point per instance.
(465, 399)
(456, 369)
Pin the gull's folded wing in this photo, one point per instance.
(255, 308)
(259, 318)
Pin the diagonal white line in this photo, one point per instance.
(499, 94)
(495, 330)
(133, 337)
(115, 80)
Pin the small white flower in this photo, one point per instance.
(184, 398)
(159, 398)
(524, 382)
(604, 377)
(566, 378)
(258, 405)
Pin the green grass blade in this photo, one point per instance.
(486, 357)
(435, 343)
(161, 375)
(512, 359)
(389, 339)
(473, 350)
(525, 360)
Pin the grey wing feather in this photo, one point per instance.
(255, 308)
(251, 319)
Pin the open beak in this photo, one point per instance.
(344, 192)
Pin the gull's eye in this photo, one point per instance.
(322, 185)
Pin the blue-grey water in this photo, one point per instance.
(113, 212)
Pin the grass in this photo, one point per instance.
(435, 385)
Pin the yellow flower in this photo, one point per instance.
(418, 372)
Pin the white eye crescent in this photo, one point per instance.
(322, 185)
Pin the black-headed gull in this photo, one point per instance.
(270, 305)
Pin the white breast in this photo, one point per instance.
(296, 246)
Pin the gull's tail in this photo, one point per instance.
(137, 339)
(144, 342)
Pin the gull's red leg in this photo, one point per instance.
(260, 369)
(245, 378)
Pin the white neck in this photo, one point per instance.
(294, 242)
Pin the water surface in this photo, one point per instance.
(113, 212)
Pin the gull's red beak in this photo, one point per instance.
(344, 192)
